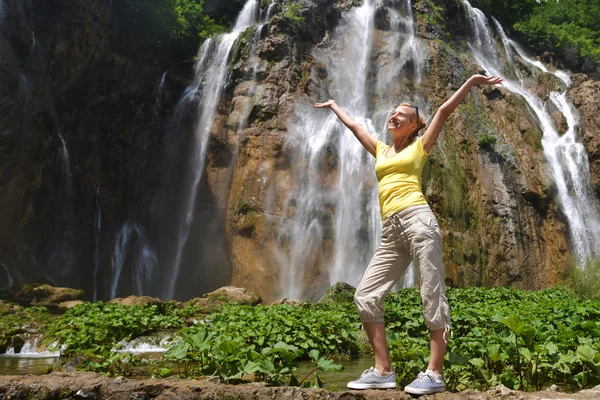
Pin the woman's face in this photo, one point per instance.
(401, 120)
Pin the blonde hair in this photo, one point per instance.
(420, 120)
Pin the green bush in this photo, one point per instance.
(171, 27)
(293, 16)
(585, 282)
(486, 141)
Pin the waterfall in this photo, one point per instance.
(158, 98)
(66, 164)
(333, 207)
(9, 279)
(97, 236)
(26, 95)
(131, 243)
(270, 11)
(564, 152)
(211, 75)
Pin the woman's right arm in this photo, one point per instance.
(364, 137)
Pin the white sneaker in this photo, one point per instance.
(370, 380)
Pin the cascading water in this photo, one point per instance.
(270, 9)
(66, 164)
(9, 279)
(158, 99)
(211, 75)
(565, 154)
(97, 236)
(27, 99)
(131, 243)
(338, 211)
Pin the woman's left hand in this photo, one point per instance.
(485, 80)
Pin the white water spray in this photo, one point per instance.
(97, 236)
(131, 243)
(66, 164)
(334, 211)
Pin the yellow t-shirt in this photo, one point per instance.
(399, 177)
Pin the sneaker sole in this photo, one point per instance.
(363, 386)
(423, 391)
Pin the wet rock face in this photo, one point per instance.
(585, 93)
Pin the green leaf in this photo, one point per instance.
(552, 348)
(586, 353)
(314, 355)
(327, 365)
(528, 334)
(477, 362)
(514, 323)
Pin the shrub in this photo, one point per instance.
(486, 141)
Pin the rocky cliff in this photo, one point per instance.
(96, 143)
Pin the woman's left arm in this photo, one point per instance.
(442, 114)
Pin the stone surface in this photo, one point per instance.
(137, 301)
(585, 93)
(46, 295)
(66, 305)
(341, 292)
(91, 385)
(229, 294)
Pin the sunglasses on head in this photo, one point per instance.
(417, 111)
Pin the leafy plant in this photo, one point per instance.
(322, 364)
(486, 141)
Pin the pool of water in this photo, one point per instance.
(336, 380)
(14, 365)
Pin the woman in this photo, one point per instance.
(410, 232)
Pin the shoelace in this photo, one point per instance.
(367, 371)
(424, 377)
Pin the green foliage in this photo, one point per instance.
(570, 28)
(293, 18)
(175, 26)
(501, 335)
(265, 341)
(585, 282)
(486, 141)
(542, 344)
(16, 321)
(94, 329)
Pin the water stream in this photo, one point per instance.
(564, 151)
(131, 244)
(211, 75)
(97, 237)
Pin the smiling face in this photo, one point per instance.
(402, 121)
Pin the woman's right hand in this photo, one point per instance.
(327, 104)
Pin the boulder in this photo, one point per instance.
(287, 301)
(66, 305)
(341, 292)
(228, 294)
(137, 301)
(46, 295)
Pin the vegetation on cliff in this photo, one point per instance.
(569, 28)
(178, 26)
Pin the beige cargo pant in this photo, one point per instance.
(409, 235)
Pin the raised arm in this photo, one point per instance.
(363, 136)
(442, 114)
